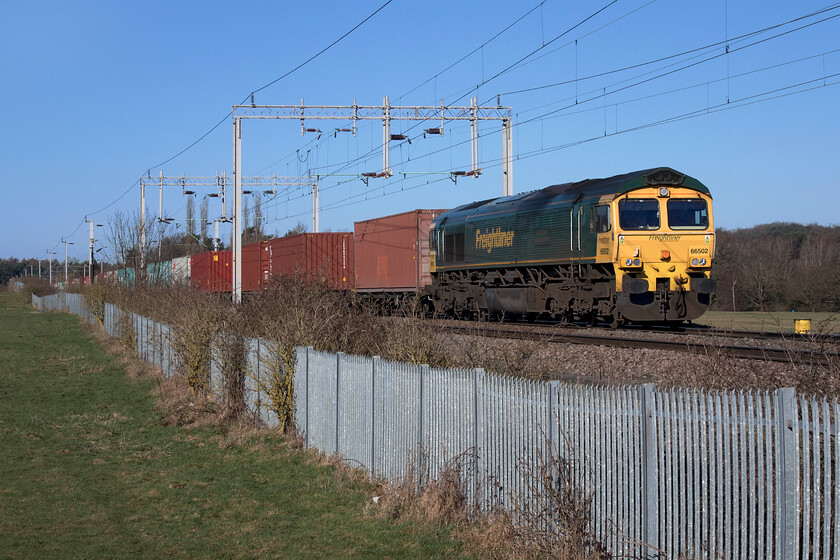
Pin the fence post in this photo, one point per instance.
(787, 473)
(651, 474)
(338, 357)
(306, 432)
(374, 366)
(424, 371)
(477, 421)
(553, 421)
(259, 382)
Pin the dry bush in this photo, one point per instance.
(441, 500)
(414, 340)
(95, 296)
(125, 331)
(491, 536)
(194, 318)
(295, 311)
(555, 521)
(229, 351)
(180, 406)
(34, 286)
(276, 381)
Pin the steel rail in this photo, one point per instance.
(563, 336)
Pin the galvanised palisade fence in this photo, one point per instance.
(671, 473)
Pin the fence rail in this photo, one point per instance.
(671, 473)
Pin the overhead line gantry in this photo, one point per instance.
(353, 113)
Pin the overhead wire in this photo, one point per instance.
(229, 114)
(763, 96)
(522, 62)
(646, 80)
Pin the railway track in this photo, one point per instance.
(577, 335)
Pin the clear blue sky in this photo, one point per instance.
(97, 93)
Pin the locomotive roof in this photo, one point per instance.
(587, 188)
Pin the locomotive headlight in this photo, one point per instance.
(628, 262)
(695, 261)
(703, 262)
(663, 191)
(637, 262)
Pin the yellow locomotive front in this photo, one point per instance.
(663, 246)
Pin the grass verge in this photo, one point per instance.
(91, 469)
(770, 321)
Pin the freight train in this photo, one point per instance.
(634, 248)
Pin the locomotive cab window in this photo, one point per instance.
(688, 213)
(638, 213)
(600, 222)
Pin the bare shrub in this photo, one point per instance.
(194, 319)
(277, 381)
(295, 311)
(34, 286)
(555, 522)
(439, 500)
(180, 406)
(125, 331)
(414, 340)
(95, 296)
(229, 351)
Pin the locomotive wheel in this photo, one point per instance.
(617, 321)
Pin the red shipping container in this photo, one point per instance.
(256, 265)
(212, 271)
(324, 257)
(392, 253)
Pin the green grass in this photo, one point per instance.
(770, 321)
(89, 470)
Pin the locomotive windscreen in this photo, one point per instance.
(688, 213)
(638, 213)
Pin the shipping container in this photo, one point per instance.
(212, 271)
(181, 270)
(256, 265)
(322, 257)
(392, 253)
(126, 276)
(159, 273)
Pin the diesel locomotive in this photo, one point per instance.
(631, 248)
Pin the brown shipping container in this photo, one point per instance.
(319, 256)
(392, 253)
(255, 265)
(212, 271)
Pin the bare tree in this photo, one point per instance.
(191, 229)
(258, 218)
(203, 222)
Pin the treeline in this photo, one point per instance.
(13, 267)
(778, 267)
